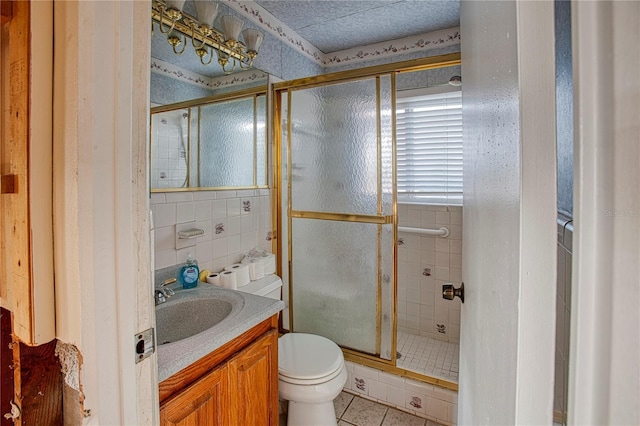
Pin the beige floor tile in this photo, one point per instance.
(343, 423)
(341, 403)
(362, 412)
(398, 418)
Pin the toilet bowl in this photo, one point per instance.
(311, 374)
(311, 369)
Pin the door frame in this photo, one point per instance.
(604, 376)
(101, 208)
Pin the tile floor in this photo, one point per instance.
(428, 356)
(356, 411)
(351, 410)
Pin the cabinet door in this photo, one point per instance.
(204, 403)
(253, 383)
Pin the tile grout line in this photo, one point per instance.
(384, 417)
(347, 407)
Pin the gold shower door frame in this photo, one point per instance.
(279, 90)
(253, 93)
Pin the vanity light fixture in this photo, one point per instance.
(232, 53)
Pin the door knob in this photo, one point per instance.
(449, 292)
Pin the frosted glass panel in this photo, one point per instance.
(261, 140)
(284, 232)
(335, 281)
(386, 145)
(192, 149)
(226, 144)
(334, 148)
(386, 291)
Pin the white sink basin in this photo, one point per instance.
(190, 312)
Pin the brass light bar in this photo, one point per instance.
(215, 40)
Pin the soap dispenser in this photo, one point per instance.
(189, 273)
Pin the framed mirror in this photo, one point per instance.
(213, 143)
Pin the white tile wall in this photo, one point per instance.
(421, 308)
(168, 152)
(234, 222)
(428, 401)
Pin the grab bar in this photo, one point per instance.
(442, 232)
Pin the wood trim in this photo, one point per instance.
(193, 372)
(274, 378)
(26, 220)
(5, 11)
(15, 218)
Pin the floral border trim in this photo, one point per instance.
(433, 40)
(186, 76)
(278, 29)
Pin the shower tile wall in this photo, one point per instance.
(425, 263)
(563, 318)
(234, 222)
(168, 151)
(421, 399)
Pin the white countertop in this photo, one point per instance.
(251, 310)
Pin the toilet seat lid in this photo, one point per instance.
(308, 356)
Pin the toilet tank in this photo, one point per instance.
(269, 286)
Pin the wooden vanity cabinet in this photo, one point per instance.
(237, 384)
(202, 403)
(253, 383)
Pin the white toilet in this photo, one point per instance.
(311, 368)
(311, 375)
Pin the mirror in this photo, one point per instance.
(218, 142)
(208, 129)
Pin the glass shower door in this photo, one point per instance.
(337, 140)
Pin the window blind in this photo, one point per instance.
(429, 148)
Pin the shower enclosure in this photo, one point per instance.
(340, 214)
(334, 139)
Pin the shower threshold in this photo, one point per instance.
(428, 356)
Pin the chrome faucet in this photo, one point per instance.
(161, 295)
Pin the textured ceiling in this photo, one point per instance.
(333, 26)
(338, 25)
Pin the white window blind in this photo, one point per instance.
(429, 148)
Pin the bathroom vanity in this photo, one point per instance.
(236, 384)
(226, 374)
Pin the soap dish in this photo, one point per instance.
(190, 233)
(186, 234)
